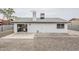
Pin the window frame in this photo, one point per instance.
(60, 26)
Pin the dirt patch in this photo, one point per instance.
(5, 33)
(16, 45)
(41, 44)
(57, 44)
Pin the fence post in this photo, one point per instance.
(2, 28)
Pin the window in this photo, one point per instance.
(60, 26)
(42, 16)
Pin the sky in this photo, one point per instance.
(65, 13)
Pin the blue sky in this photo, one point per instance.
(65, 13)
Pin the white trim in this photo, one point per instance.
(15, 27)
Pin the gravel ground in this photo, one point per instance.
(16, 45)
(2, 34)
(42, 42)
(57, 44)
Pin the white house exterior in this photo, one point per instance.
(46, 28)
(47, 25)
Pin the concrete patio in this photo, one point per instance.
(25, 35)
(21, 35)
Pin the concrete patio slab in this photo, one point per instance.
(24, 35)
(19, 36)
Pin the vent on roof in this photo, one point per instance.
(42, 16)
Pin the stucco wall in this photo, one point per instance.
(46, 28)
(75, 22)
(42, 28)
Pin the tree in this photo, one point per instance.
(3, 11)
(7, 12)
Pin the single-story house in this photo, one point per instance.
(39, 25)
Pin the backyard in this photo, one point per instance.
(10, 41)
(50, 34)
(42, 42)
(6, 30)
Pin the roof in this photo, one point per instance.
(73, 19)
(38, 20)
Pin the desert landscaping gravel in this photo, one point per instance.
(42, 42)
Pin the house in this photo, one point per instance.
(40, 25)
(47, 25)
(74, 25)
(5, 22)
(74, 21)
